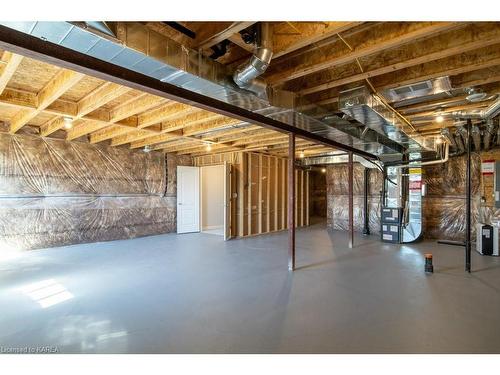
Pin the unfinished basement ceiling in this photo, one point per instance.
(314, 60)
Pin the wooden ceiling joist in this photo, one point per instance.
(390, 36)
(11, 62)
(108, 133)
(234, 28)
(61, 83)
(291, 36)
(142, 103)
(458, 64)
(452, 43)
(99, 97)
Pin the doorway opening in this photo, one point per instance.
(204, 199)
(212, 199)
(317, 195)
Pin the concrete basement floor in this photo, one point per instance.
(194, 293)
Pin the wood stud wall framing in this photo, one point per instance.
(260, 203)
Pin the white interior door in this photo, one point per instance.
(227, 201)
(188, 199)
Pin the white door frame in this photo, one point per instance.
(188, 200)
(227, 201)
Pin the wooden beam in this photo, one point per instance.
(140, 104)
(110, 132)
(458, 64)
(130, 108)
(189, 130)
(83, 128)
(291, 36)
(387, 36)
(182, 145)
(201, 150)
(51, 126)
(442, 46)
(99, 97)
(213, 123)
(57, 86)
(28, 101)
(236, 39)
(8, 69)
(164, 113)
(234, 28)
(235, 133)
(477, 77)
(291, 202)
(261, 139)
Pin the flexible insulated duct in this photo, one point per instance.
(459, 140)
(476, 137)
(246, 75)
(489, 133)
(445, 132)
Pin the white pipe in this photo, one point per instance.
(425, 163)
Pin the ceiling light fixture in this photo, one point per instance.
(209, 147)
(439, 119)
(68, 122)
(323, 170)
(301, 155)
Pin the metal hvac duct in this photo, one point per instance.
(337, 158)
(498, 135)
(459, 140)
(489, 133)
(360, 104)
(490, 112)
(445, 132)
(476, 137)
(246, 75)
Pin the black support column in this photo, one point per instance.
(366, 226)
(291, 202)
(351, 203)
(468, 191)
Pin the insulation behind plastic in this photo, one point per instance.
(35, 166)
(338, 197)
(444, 204)
(54, 192)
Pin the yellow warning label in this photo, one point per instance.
(415, 170)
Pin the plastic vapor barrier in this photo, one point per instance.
(337, 181)
(444, 204)
(54, 192)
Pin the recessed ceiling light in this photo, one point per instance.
(301, 155)
(439, 118)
